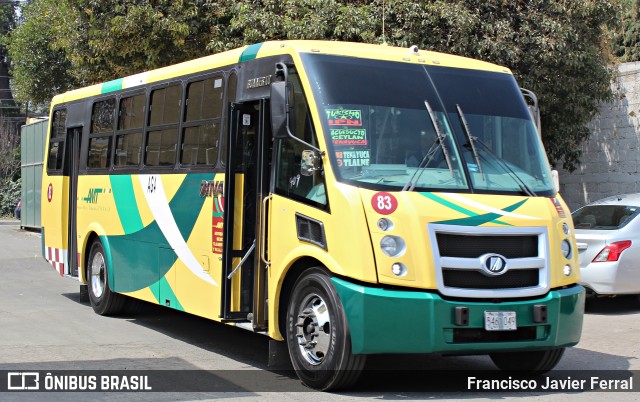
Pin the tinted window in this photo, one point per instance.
(204, 99)
(161, 147)
(200, 145)
(99, 152)
(56, 141)
(603, 217)
(131, 112)
(165, 105)
(102, 116)
(128, 147)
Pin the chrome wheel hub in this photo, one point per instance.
(313, 329)
(97, 275)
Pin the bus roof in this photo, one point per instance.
(272, 48)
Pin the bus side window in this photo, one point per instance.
(164, 116)
(201, 128)
(129, 134)
(102, 127)
(56, 141)
(289, 181)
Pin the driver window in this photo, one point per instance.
(289, 181)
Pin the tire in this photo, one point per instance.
(318, 335)
(533, 362)
(102, 299)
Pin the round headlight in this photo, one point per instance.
(385, 224)
(566, 248)
(567, 270)
(392, 246)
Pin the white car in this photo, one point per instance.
(608, 240)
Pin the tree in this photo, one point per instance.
(626, 40)
(557, 49)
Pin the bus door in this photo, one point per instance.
(72, 158)
(246, 185)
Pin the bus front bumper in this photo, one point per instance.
(396, 321)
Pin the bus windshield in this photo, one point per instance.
(394, 126)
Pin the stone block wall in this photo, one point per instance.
(610, 162)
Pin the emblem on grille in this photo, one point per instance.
(494, 264)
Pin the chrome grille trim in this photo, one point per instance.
(539, 262)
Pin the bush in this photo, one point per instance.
(10, 193)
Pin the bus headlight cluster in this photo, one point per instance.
(392, 246)
(565, 246)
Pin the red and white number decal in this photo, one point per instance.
(384, 203)
(50, 192)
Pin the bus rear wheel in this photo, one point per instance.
(534, 362)
(103, 300)
(318, 334)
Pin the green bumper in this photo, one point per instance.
(396, 321)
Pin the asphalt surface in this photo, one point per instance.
(45, 327)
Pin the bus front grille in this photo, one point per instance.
(465, 261)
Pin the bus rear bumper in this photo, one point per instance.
(397, 321)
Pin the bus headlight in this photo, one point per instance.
(392, 246)
(565, 246)
(385, 224)
(399, 269)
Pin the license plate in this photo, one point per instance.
(500, 320)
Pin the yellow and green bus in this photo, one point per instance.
(347, 199)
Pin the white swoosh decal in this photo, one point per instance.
(462, 200)
(159, 206)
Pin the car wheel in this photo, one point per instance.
(318, 335)
(534, 362)
(103, 300)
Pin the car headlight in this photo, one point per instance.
(392, 246)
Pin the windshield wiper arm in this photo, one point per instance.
(471, 140)
(423, 163)
(439, 142)
(441, 137)
(523, 186)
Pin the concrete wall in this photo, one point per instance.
(611, 156)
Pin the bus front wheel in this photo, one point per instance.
(535, 361)
(318, 334)
(103, 300)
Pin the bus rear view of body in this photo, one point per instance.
(347, 199)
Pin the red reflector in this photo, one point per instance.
(612, 251)
(559, 208)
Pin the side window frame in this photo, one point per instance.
(99, 134)
(57, 135)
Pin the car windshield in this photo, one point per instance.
(604, 217)
(392, 125)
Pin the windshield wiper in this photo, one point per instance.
(439, 142)
(523, 186)
(471, 139)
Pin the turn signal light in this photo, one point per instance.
(612, 251)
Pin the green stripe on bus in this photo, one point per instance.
(448, 204)
(250, 52)
(111, 86)
(163, 291)
(126, 203)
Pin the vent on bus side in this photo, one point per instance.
(311, 230)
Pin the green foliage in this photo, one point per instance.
(556, 49)
(10, 192)
(626, 40)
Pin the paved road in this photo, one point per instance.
(44, 326)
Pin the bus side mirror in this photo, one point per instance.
(279, 106)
